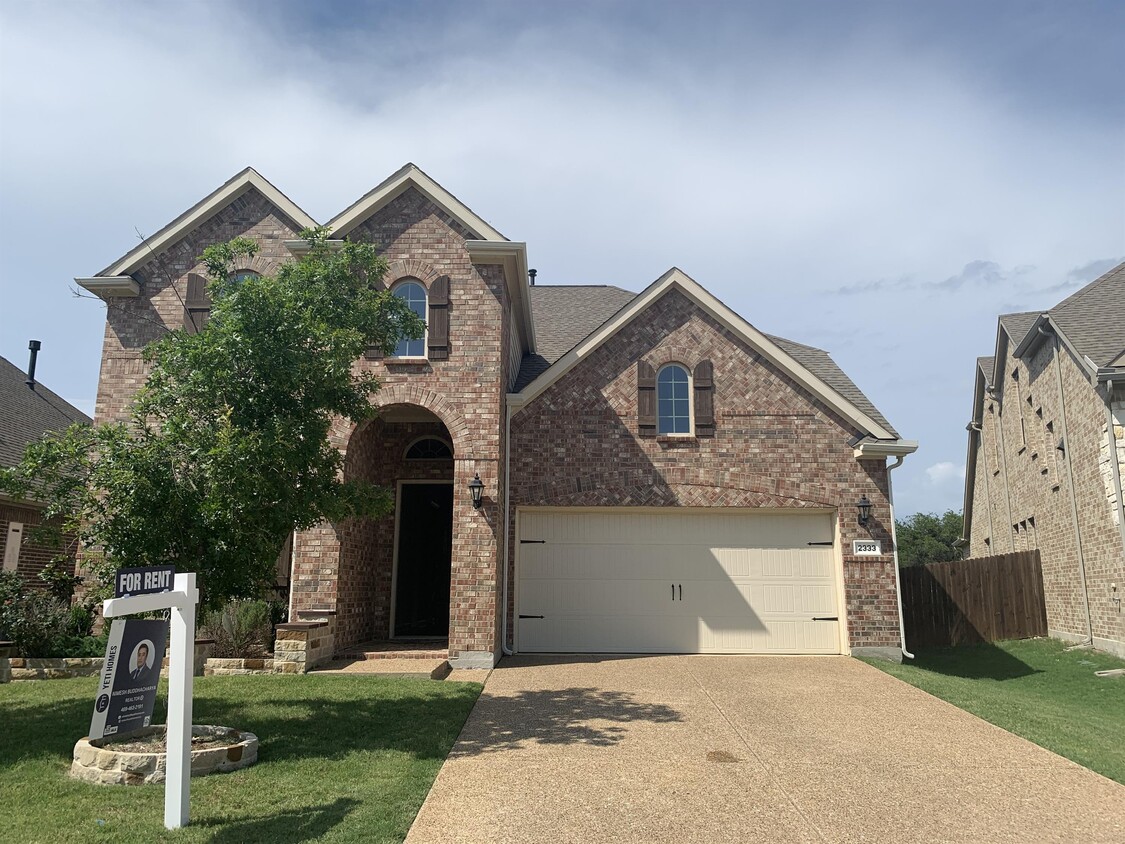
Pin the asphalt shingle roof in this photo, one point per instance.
(1017, 325)
(988, 367)
(1093, 319)
(26, 414)
(566, 314)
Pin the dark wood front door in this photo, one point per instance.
(425, 543)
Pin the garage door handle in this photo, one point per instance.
(829, 542)
(531, 616)
(826, 618)
(681, 591)
(532, 541)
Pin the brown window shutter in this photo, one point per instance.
(646, 399)
(704, 386)
(437, 327)
(197, 305)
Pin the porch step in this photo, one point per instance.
(422, 669)
(396, 650)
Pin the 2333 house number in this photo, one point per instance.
(866, 548)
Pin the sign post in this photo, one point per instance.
(181, 601)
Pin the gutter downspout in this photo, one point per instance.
(978, 429)
(1069, 458)
(507, 524)
(894, 542)
(1004, 466)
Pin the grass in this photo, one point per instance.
(341, 759)
(1036, 689)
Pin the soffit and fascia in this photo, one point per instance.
(200, 213)
(880, 443)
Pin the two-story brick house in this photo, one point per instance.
(1046, 453)
(657, 474)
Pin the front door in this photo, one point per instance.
(425, 543)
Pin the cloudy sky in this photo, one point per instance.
(877, 179)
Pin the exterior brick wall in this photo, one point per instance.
(34, 556)
(465, 393)
(131, 324)
(775, 445)
(1023, 484)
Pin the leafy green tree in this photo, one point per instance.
(226, 450)
(928, 538)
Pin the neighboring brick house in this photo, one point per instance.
(655, 473)
(1046, 454)
(26, 413)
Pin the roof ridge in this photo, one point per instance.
(797, 343)
(1105, 278)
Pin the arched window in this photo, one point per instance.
(414, 294)
(673, 400)
(239, 276)
(429, 448)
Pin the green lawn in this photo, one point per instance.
(1034, 688)
(341, 759)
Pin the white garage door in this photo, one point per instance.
(621, 581)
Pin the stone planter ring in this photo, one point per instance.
(97, 760)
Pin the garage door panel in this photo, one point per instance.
(620, 581)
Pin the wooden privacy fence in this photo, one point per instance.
(971, 601)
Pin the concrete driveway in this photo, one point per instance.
(740, 749)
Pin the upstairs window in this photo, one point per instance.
(414, 294)
(673, 400)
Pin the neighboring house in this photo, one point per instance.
(657, 475)
(26, 413)
(1046, 454)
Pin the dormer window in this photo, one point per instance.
(414, 294)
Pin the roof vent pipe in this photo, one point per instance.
(531, 274)
(34, 346)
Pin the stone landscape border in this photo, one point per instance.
(94, 762)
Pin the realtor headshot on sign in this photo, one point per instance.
(140, 663)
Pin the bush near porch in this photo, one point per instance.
(341, 759)
(1035, 688)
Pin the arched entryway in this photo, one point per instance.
(394, 573)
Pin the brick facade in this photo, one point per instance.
(1023, 496)
(776, 445)
(33, 556)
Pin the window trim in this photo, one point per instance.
(690, 401)
(424, 437)
(424, 340)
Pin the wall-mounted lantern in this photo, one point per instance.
(476, 490)
(864, 507)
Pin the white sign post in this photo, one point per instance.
(181, 601)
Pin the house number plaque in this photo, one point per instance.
(866, 548)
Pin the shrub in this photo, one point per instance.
(43, 625)
(241, 629)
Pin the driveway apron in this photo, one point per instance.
(739, 748)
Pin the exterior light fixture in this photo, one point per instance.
(476, 490)
(864, 507)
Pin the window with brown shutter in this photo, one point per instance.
(704, 387)
(197, 304)
(437, 328)
(646, 399)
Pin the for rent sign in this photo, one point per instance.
(127, 686)
(143, 581)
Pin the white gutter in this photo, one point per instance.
(894, 542)
(507, 526)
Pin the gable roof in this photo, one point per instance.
(809, 366)
(564, 315)
(1017, 325)
(410, 176)
(1093, 319)
(201, 212)
(987, 367)
(26, 414)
